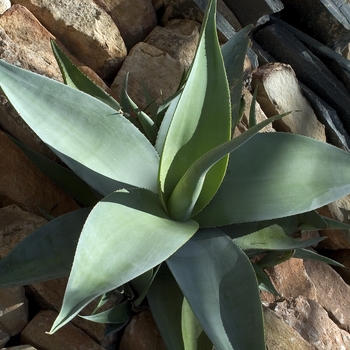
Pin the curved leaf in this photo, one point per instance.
(234, 53)
(276, 175)
(96, 142)
(188, 188)
(199, 122)
(75, 78)
(220, 285)
(125, 235)
(273, 238)
(166, 302)
(120, 313)
(45, 254)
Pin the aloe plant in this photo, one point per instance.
(177, 220)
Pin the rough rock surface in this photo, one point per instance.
(85, 29)
(151, 67)
(71, 338)
(278, 93)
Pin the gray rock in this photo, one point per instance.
(326, 20)
(309, 69)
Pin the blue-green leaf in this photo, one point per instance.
(220, 285)
(45, 254)
(96, 142)
(273, 238)
(193, 129)
(125, 235)
(75, 78)
(276, 175)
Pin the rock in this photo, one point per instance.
(178, 38)
(22, 183)
(142, 334)
(326, 20)
(284, 47)
(26, 43)
(259, 114)
(68, 338)
(315, 281)
(15, 225)
(343, 257)
(135, 26)
(227, 22)
(160, 73)
(331, 292)
(20, 347)
(278, 93)
(13, 310)
(290, 280)
(340, 211)
(339, 65)
(49, 295)
(4, 5)
(312, 323)
(334, 128)
(244, 13)
(279, 335)
(85, 29)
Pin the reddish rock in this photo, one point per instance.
(85, 29)
(68, 338)
(23, 184)
(142, 334)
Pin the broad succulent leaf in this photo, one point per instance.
(276, 175)
(214, 274)
(191, 183)
(126, 234)
(234, 53)
(96, 142)
(45, 254)
(198, 123)
(273, 238)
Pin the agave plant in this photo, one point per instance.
(184, 205)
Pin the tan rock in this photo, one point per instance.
(20, 347)
(332, 293)
(179, 38)
(340, 211)
(4, 5)
(311, 321)
(280, 336)
(23, 184)
(189, 10)
(279, 92)
(13, 310)
(26, 43)
(15, 225)
(259, 113)
(291, 280)
(68, 338)
(134, 19)
(142, 334)
(160, 73)
(85, 29)
(343, 257)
